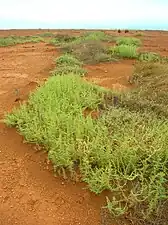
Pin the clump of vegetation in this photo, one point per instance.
(66, 70)
(126, 31)
(47, 34)
(60, 39)
(97, 36)
(151, 87)
(128, 41)
(13, 40)
(68, 60)
(88, 51)
(124, 51)
(67, 64)
(139, 34)
(149, 56)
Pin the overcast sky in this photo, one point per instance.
(71, 12)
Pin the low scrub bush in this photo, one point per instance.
(68, 69)
(128, 41)
(47, 34)
(88, 51)
(60, 39)
(139, 34)
(149, 57)
(68, 60)
(151, 89)
(124, 51)
(97, 36)
(67, 64)
(13, 40)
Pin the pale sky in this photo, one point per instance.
(84, 12)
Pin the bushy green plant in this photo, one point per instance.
(13, 40)
(149, 57)
(124, 51)
(139, 34)
(68, 60)
(150, 81)
(66, 64)
(68, 69)
(47, 34)
(88, 51)
(96, 36)
(128, 41)
(60, 39)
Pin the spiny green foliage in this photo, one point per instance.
(124, 51)
(121, 149)
(128, 41)
(67, 64)
(13, 40)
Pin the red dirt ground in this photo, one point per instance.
(113, 75)
(29, 193)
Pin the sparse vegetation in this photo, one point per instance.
(47, 34)
(124, 51)
(60, 39)
(67, 69)
(128, 41)
(67, 64)
(88, 51)
(68, 60)
(13, 40)
(139, 34)
(97, 36)
(149, 56)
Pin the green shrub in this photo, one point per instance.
(47, 34)
(88, 51)
(68, 69)
(151, 89)
(128, 41)
(140, 34)
(60, 39)
(149, 57)
(67, 64)
(96, 36)
(68, 60)
(124, 51)
(13, 40)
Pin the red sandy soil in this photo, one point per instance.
(113, 75)
(29, 193)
